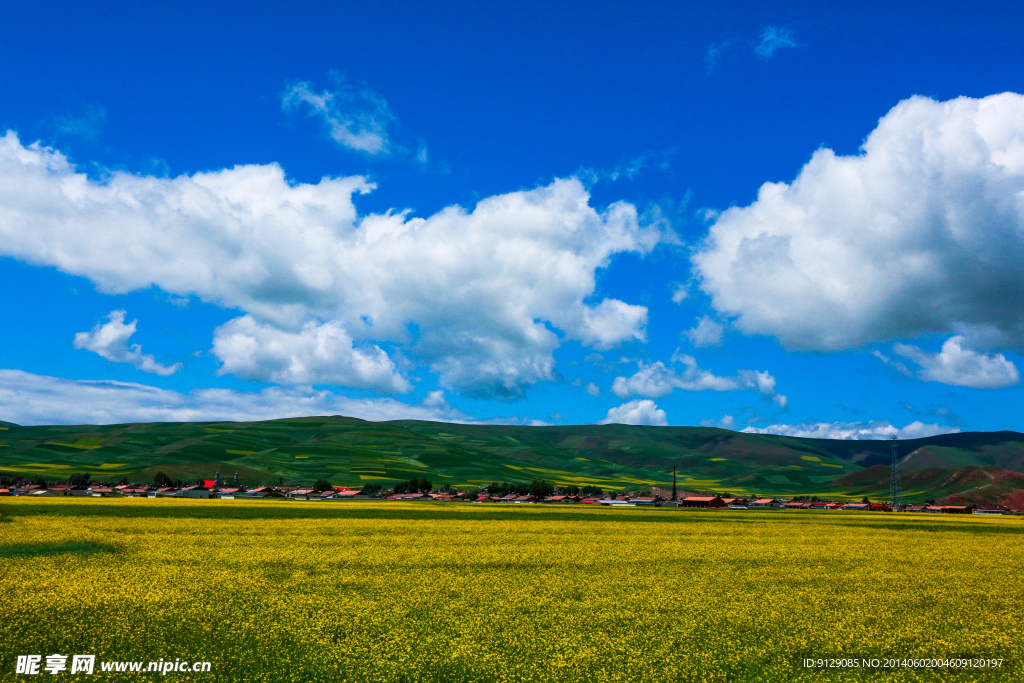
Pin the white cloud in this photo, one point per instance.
(921, 232)
(355, 117)
(110, 340)
(773, 39)
(611, 322)
(877, 430)
(679, 293)
(481, 367)
(655, 380)
(29, 399)
(727, 422)
(643, 412)
(961, 367)
(589, 387)
(476, 295)
(435, 399)
(707, 332)
(316, 354)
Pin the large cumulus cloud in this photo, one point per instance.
(483, 296)
(923, 231)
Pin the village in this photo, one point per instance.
(213, 489)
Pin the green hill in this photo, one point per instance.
(351, 451)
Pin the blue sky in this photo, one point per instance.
(795, 218)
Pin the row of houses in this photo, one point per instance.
(211, 490)
(739, 504)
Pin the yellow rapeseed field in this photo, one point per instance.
(304, 591)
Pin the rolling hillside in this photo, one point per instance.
(350, 451)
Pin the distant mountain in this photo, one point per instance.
(351, 451)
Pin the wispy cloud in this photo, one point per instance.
(707, 332)
(630, 169)
(86, 125)
(354, 116)
(892, 363)
(679, 292)
(877, 430)
(110, 340)
(773, 39)
(727, 422)
(714, 54)
(30, 399)
(655, 380)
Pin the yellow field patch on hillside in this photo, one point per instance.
(32, 467)
(234, 452)
(77, 444)
(811, 458)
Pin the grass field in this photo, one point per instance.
(353, 452)
(285, 591)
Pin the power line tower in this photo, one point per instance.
(894, 475)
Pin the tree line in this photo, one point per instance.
(540, 488)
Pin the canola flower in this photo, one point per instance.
(365, 591)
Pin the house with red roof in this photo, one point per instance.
(348, 494)
(703, 502)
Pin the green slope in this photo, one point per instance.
(350, 451)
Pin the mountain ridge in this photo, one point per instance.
(350, 451)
